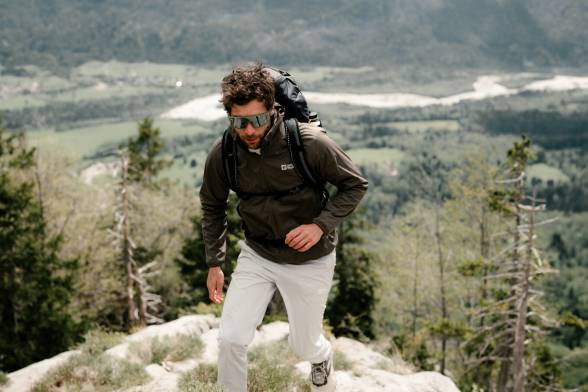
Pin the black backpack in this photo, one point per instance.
(293, 104)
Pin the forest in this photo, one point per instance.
(429, 266)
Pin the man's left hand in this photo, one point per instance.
(304, 237)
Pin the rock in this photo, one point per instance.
(372, 380)
(374, 372)
(187, 325)
(363, 356)
(269, 333)
(210, 353)
(370, 370)
(23, 379)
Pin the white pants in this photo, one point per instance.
(304, 289)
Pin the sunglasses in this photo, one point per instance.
(258, 120)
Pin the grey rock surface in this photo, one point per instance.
(367, 370)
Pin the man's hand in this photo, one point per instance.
(215, 282)
(304, 237)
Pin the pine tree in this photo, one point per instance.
(350, 309)
(515, 315)
(143, 150)
(35, 283)
(138, 169)
(192, 262)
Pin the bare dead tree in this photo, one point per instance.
(142, 303)
(517, 317)
(123, 242)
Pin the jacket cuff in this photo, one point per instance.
(214, 263)
(322, 225)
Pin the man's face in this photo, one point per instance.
(250, 135)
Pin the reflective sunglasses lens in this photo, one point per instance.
(240, 122)
(263, 118)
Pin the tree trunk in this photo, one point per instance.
(127, 251)
(520, 376)
(444, 313)
(415, 288)
(505, 367)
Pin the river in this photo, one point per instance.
(208, 107)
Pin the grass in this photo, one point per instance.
(97, 341)
(200, 379)
(92, 369)
(3, 378)
(312, 74)
(546, 173)
(423, 126)
(376, 155)
(90, 372)
(89, 139)
(271, 369)
(165, 73)
(95, 93)
(204, 308)
(173, 348)
(21, 102)
(341, 361)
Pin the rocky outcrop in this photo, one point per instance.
(365, 369)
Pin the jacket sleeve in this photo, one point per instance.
(334, 166)
(213, 200)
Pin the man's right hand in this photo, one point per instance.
(215, 283)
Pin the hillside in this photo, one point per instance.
(153, 360)
(511, 34)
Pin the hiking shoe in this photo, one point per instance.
(322, 376)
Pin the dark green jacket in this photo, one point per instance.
(267, 219)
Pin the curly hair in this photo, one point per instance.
(246, 84)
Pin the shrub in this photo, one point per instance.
(97, 341)
(168, 348)
(99, 373)
(200, 379)
(3, 378)
(271, 369)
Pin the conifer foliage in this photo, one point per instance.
(352, 303)
(143, 151)
(192, 261)
(35, 283)
(517, 320)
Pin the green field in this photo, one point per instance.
(546, 173)
(80, 142)
(166, 74)
(423, 126)
(386, 156)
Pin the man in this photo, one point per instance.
(290, 228)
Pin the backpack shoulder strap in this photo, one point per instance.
(230, 163)
(297, 154)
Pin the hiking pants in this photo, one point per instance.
(304, 289)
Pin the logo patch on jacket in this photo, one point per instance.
(287, 166)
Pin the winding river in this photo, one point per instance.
(208, 107)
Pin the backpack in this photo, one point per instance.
(292, 102)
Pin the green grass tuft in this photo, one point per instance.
(88, 372)
(3, 378)
(271, 369)
(200, 379)
(168, 348)
(97, 341)
(341, 361)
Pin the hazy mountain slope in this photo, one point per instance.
(488, 33)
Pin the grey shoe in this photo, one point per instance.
(322, 376)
